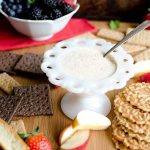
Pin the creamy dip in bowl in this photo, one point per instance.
(87, 64)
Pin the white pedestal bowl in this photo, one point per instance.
(86, 94)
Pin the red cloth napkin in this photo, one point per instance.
(11, 39)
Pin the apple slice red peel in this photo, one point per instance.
(71, 139)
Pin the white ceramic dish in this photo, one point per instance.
(89, 94)
(39, 29)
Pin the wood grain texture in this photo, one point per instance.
(51, 126)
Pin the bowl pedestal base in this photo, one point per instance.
(72, 104)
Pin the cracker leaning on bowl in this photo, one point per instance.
(145, 55)
(117, 36)
(141, 38)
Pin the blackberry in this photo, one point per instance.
(10, 12)
(27, 6)
(56, 13)
(14, 7)
(50, 3)
(44, 17)
(36, 13)
(11, 1)
(51, 16)
(67, 8)
(19, 9)
(4, 6)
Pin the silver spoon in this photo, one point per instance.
(139, 28)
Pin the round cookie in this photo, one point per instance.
(138, 94)
(141, 129)
(129, 141)
(119, 145)
(131, 112)
(141, 137)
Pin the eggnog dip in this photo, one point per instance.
(87, 64)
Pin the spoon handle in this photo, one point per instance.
(139, 28)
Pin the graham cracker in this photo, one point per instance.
(110, 34)
(85, 35)
(9, 106)
(7, 83)
(141, 38)
(130, 48)
(19, 126)
(30, 64)
(10, 139)
(8, 61)
(36, 100)
(145, 55)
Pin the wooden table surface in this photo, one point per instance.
(52, 125)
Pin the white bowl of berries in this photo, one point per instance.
(38, 19)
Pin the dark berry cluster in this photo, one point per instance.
(36, 9)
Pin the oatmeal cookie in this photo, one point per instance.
(129, 141)
(131, 112)
(121, 128)
(138, 94)
(141, 129)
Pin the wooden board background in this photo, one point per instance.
(52, 125)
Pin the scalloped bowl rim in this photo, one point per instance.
(106, 84)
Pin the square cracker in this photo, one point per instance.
(129, 48)
(145, 55)
(141, 38)
(84, 35)
(110, 34)
(8, 61)
(30, 64)
(9, 106)
(36, 100)
(7, 83)
(19, 126)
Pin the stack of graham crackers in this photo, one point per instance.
(131, 126)
(32, 100)
(139, 42)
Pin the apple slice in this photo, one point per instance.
(78, 141)
(142, 67)
(90, 120)
(66, 134)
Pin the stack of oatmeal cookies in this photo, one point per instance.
(131, 126)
